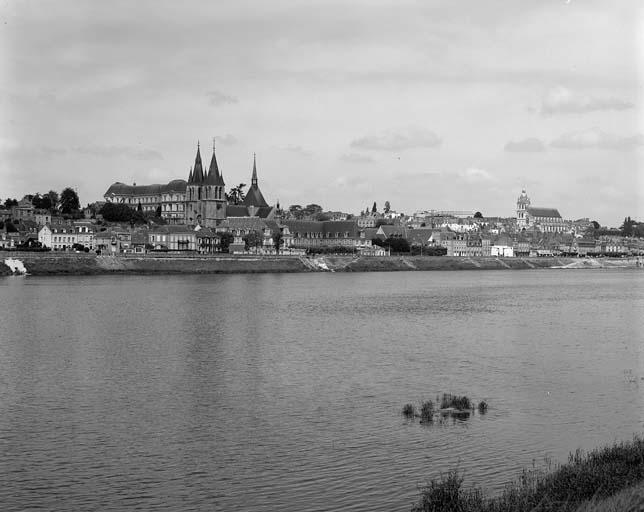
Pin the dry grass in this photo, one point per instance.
(585, 481)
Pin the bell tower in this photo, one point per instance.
(523, 202)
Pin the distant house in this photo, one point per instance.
(468, 245)
(173, 238)
(309, 234)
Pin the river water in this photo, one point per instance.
(284, 391)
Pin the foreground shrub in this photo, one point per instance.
(593, 476)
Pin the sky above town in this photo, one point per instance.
(445, 105)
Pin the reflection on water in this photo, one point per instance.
(284, 392)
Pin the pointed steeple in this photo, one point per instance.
(190, 177)
(198, 169)
(214, 177)
(254, 196)
(253, 181)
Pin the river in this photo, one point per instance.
(284, 391)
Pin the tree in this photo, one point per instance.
(139, 208)
(627, 227)
(252, 240)
(387, 207)
(117, 212)
(225, 240)
(9, 226)
(478, 215)
(595, 224)
(158, 211)
(278, 241)
(311, 210)
(69, 200)
(374, 209)
(236, 194)
(10, 203)
(53, 197)
(295, 210)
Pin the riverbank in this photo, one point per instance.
(51, 263)
(609, 478)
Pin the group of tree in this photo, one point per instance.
(632, 228)
(67, 202)
(119, 212)
(393, 243)
(254, 240)
(374, 209)
(310, 211)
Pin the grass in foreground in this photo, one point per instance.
(585, 481)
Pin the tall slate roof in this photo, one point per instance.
(254, 196)
(543, 212)
(197, 173)
(214, 177)
(121, 189)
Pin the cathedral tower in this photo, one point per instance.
(523, 202)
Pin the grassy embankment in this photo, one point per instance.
(610, 478)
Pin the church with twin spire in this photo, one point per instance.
(200, 201)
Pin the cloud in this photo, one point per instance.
(356, 158)
(298, 150)
(475, 175)
(412, 138)
(217, 98)
(226, 140)
(560, 100)
(119, 151)
(594, 138)
(529, 145)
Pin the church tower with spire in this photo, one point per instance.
(205, 193)
(254, 197)
(523, 202)
(214, 210)
(194, 192)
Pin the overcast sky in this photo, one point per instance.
(427, 104)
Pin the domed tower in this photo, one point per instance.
(215, 195)
(523, 202)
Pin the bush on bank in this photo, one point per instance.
(593, 476)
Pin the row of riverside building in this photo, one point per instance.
(197, 213)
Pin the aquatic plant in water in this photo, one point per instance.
(427, 412)
(409, 411)
(462, 403)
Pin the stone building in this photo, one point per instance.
(542, 219)
(200, 201)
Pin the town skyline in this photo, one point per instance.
(418, 105)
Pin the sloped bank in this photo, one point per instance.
(404, 263)
(50, 263)
(89, 264)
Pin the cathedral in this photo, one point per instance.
(542, 219)
(200, 201)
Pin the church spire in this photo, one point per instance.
(253, 180)
(214, 177)
(198, 169)
(190, 175)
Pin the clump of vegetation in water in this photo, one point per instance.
(584, 484)
(427, 412)
(409, 411)
(462, 403)
(482, 407)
